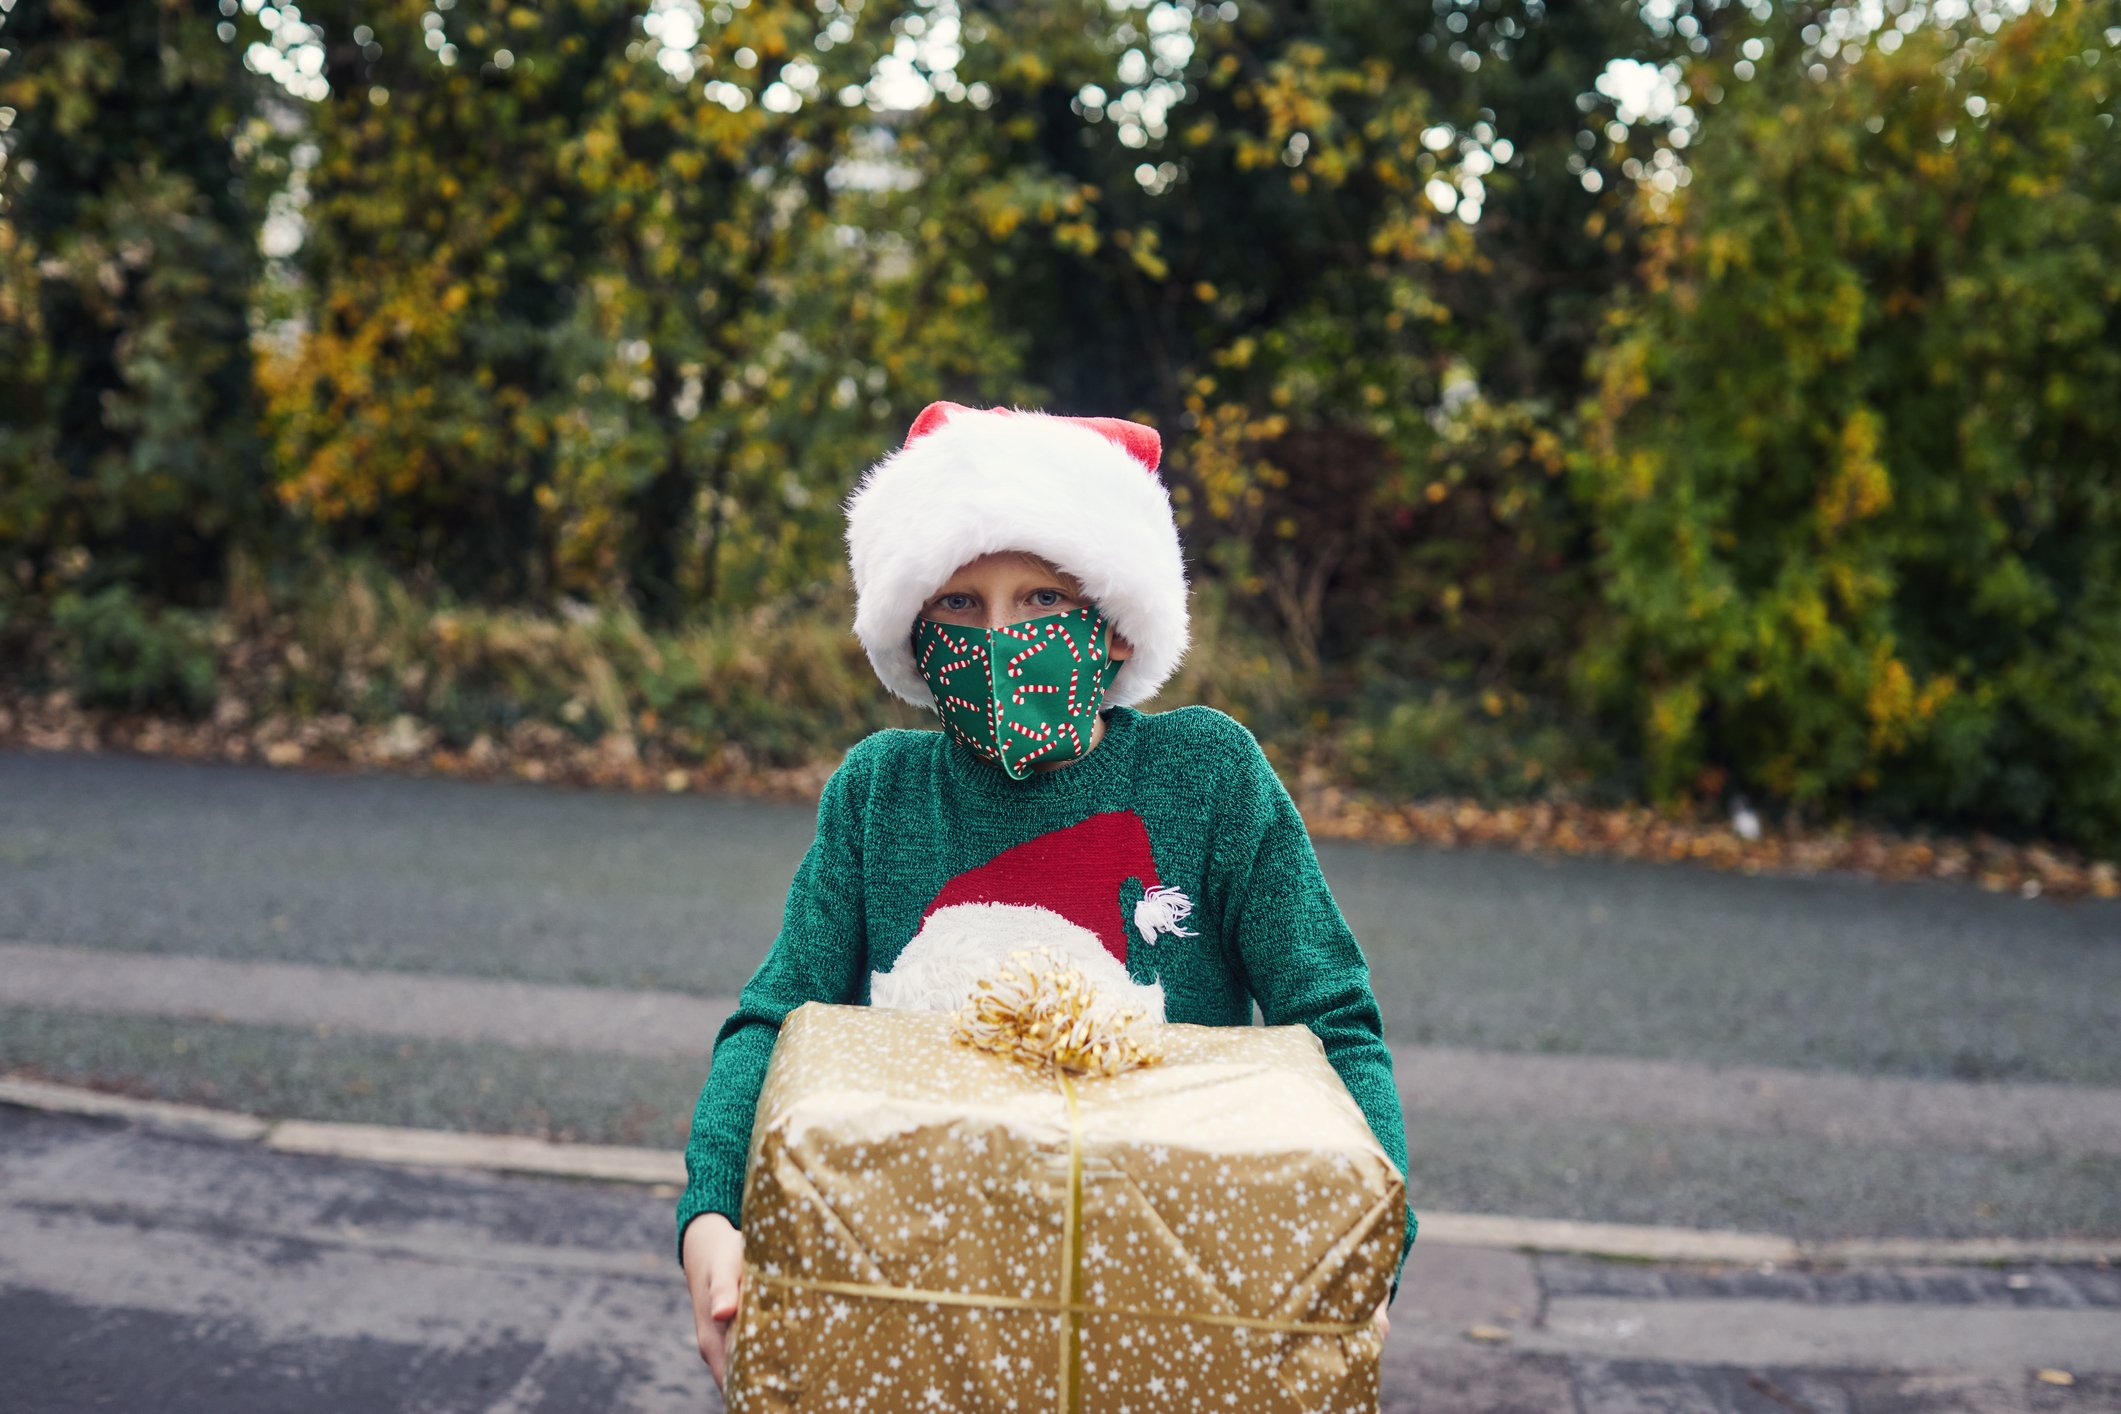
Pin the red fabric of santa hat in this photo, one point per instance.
(1082, 492)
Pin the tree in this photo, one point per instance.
(128, 253)
(1853, 454)
(591, 307)
(1341, 254)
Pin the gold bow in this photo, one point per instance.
(1043, 1012)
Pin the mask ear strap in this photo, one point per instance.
(1112, 665)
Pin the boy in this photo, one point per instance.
(1020, 574)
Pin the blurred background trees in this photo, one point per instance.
(1618, 400)
(1855, 455)
(129, 212)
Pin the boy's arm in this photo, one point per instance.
(817, 956)
(1299, 957)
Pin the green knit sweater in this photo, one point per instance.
(908, 811)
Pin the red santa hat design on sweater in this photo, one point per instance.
(1081, 492)
(1061, 890)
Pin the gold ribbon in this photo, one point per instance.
(1033, 1303)
(1070, 1305)
(1071, 1347)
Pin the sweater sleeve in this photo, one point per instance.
(1300, 959)
(817, 956)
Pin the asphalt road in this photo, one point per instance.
(684, 893)
(1473, 955)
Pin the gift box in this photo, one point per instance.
(932, 1226)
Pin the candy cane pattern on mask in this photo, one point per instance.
(1069, 639)
(1016, 664)
(1023, 705)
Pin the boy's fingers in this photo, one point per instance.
(714, 1350)
(714, 1347)
(722, 1296)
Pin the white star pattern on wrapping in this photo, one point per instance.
(924, 1204)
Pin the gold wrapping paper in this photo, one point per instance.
(932, 1227)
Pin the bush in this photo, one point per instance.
(120, 652)
(1853, 463)
(787, 683)
(1441, 744)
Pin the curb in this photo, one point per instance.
(374, 1143)
(508, 1153)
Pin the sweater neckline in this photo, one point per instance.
(1112, 755)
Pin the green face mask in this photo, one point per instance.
(1023, 695)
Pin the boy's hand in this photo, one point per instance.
(714, 1271)
(1384, 1322)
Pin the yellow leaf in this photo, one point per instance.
(1860, 485)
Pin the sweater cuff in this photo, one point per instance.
(1406, 1245)
(714, 1189)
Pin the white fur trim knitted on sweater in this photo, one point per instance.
(960, 944)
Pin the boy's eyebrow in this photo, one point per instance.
(1053, 584)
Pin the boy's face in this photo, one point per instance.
(1007, 587)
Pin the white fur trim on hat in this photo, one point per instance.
(987, 480)
(961, 944)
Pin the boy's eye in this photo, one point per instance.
(1038, 596)
(949, 601)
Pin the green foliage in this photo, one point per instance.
(1491, 750)
(1854, 452)
(1238, 667)
(1225, 223)
(1501, 455)
(120, 652)
(581, 313)
(128, 424)
(783, 683)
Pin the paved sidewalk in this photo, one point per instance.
(1878, 1110)
(205, 1274)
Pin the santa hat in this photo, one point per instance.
(1081, 492)
(1061, 890)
